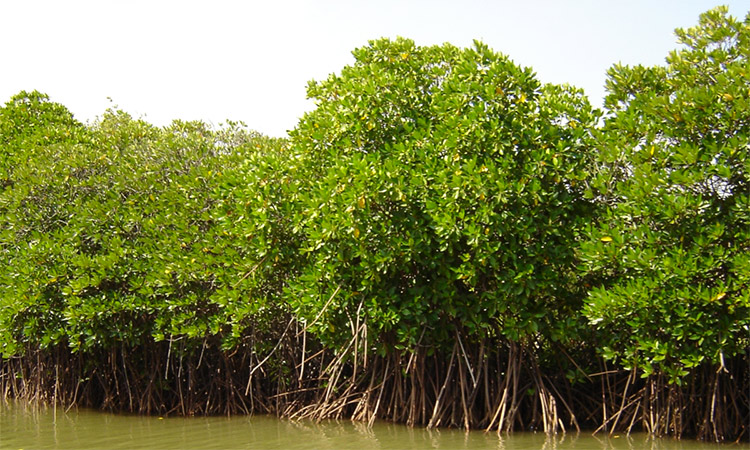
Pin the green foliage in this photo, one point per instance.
(255, 215)
(434, 192)
(114, 238)
(29, 121)
(673, 248)
(443, 194)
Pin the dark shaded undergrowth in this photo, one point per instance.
(474, 386)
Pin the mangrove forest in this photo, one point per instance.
(443, 241)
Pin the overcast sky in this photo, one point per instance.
(251, 60)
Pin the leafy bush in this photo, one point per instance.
(30, 121)
(111, 236)
(673, 245)
(443, 195)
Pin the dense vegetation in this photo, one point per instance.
(443, 241)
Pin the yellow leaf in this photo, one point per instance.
(606, 239)
(728, 97)
(356, 233)
(719, 296)
(361, 202)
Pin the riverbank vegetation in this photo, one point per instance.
(442, 241)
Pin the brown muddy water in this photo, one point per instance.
(34, 427)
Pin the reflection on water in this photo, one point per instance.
(28, 427)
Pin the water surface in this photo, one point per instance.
(34, 427)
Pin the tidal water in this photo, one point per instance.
(34, 427)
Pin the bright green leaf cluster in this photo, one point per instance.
(116, 233)
(445, 191)
(673, 247)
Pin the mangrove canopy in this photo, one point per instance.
(444, 240)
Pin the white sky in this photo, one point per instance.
(251, 60)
